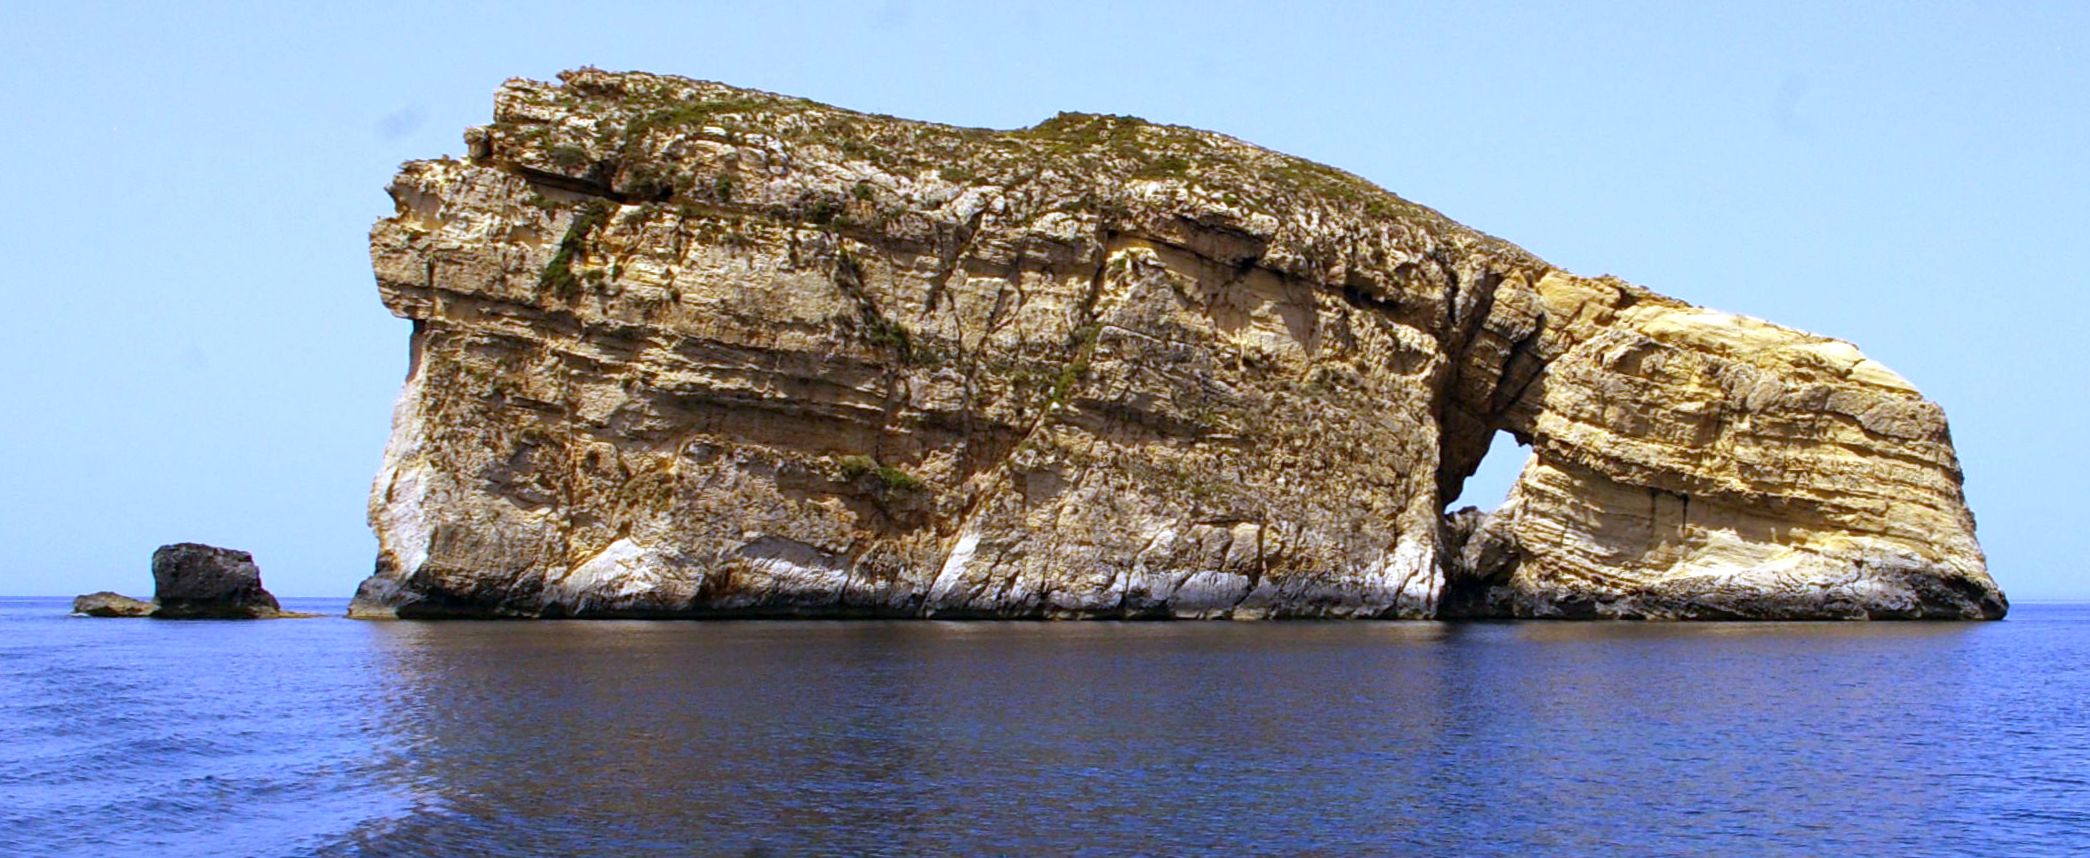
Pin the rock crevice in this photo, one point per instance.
(690, 350)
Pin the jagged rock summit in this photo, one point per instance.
(681, 349)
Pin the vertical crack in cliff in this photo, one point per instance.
(1500, 407)
(1078, 349)
(1466, 415)
(948, 262)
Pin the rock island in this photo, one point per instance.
(686, 350)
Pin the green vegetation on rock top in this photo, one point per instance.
(641, 127)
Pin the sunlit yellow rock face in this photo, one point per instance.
(1690, 463)
(682, 349)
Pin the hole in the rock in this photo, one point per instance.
(1489, 485)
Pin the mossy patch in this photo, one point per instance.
(856, 467)
(627, 122)
(567, 156)
(558, 279)
(1077, 365)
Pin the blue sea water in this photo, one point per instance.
(337, 737)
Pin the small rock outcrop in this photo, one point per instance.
(682, 349)
(193, 581)
(108, 604)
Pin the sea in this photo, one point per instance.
(336, 737)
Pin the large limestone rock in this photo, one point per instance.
(681, 349)
(1694, 464)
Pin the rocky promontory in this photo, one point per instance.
(681, 349)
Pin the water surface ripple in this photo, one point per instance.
(335, 737)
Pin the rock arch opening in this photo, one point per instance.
(1489, 484)
(1477, 551)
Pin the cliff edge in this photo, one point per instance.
(681, 349)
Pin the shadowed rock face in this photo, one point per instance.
(192, 581)
(681, 349)
(195, 581)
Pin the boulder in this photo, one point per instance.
(195, 581)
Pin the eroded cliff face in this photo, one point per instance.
(681, 349)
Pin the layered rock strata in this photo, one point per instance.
(681, 349)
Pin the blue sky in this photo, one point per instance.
(197, 352)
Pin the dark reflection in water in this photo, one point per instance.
(612, 738)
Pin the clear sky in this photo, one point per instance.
(195, 349)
